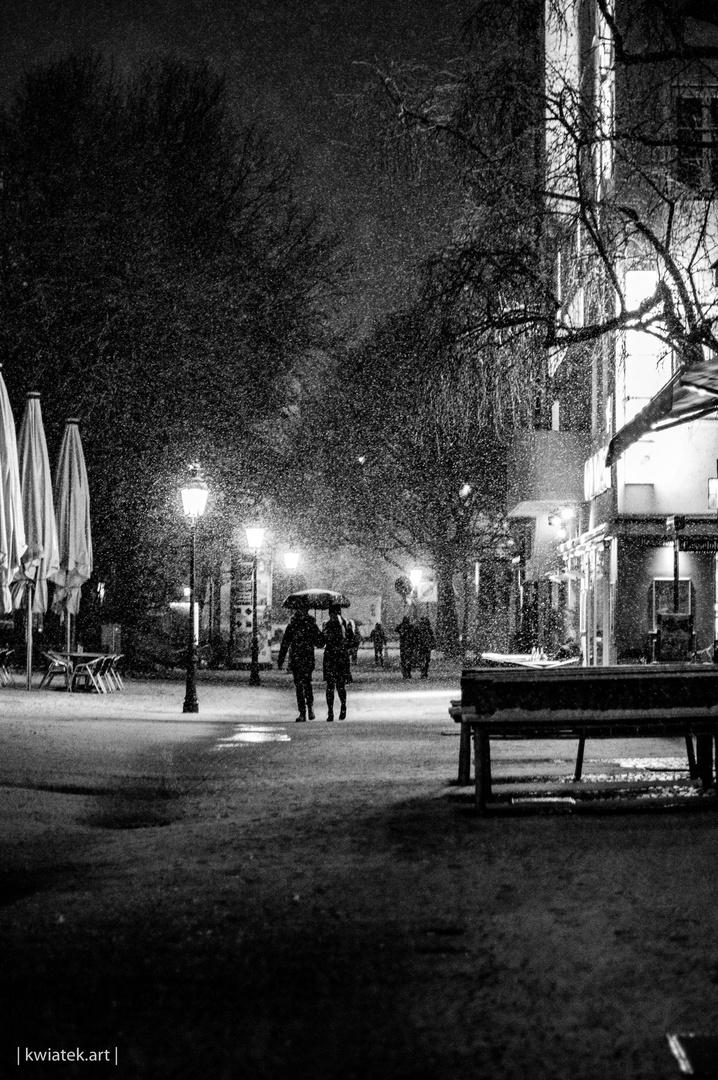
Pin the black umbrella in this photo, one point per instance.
(315, 598)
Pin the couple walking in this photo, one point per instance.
(301, 638)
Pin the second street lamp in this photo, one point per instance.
(255, 536)
(291, 562)
(415, 579)
(194, 501)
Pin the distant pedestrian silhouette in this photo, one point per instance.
(424, 642)
(378, 640)
(407, 652)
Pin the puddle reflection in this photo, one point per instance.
(251, 733)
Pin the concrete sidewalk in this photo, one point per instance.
(232, 895)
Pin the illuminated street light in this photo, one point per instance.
(291, 560)
(194, 501)
(255, 536)
(415, 579)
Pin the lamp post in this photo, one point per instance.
(291, 562)
(194, 501)
(255, 537)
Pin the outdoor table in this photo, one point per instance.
(79, 658)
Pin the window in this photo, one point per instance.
(697, 138)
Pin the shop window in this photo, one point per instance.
(660, 598)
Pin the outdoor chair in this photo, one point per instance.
(85, 676)
(115, 671)
(57, 665)
(5, 676)
(104, 675)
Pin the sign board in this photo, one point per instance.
(596, 477)
(427, 592)
(675, 636)
(698, 543)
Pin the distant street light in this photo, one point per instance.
(255, 536)
(194, 501)
(291, 560)
(415, 579)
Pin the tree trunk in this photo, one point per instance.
(447, 623)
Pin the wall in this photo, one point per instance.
(680, 460)
(637, 567)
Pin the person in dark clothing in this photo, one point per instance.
(338, 641)
(378, 640)
(423, 644)
(301, 638)
(406, 631)
(568, 651)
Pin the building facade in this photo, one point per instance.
(612, 501)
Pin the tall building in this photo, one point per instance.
(612, 497)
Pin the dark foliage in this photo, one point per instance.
(159, 279)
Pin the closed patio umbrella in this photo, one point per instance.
(12, 528)
(41, 559)
(72, 513)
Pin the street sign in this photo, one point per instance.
(427, 592)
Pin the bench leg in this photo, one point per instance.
(482, 767)
(704, 755)
(579, 758)
(692, 768)
(465, 755)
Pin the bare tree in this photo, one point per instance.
(565, 193)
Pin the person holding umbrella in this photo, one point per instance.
(301, 638)
(338, 640)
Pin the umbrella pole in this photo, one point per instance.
(68, 632)
(28, 637)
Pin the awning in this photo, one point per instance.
(689, 395)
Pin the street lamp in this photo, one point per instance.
(255, 536)
(194, 501)
(291, 560)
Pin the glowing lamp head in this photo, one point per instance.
(713, 493)
(415, 577)
(291, 560)
(255, 536)
(194, 495)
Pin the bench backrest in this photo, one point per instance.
(626, 687)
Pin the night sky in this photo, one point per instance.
(295, 66)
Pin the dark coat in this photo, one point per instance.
(339, 641)
(424, 640)
(301, 638)
(407, 637)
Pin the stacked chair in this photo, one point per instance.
(98, 673)
(5, 676)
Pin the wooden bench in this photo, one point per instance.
(641, 701)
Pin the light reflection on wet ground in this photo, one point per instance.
(253, 733)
